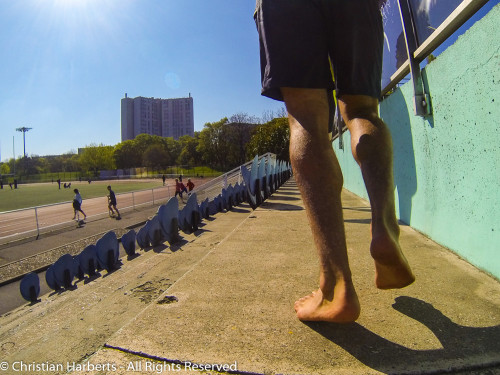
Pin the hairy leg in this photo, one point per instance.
(371, 146)
(319, 178)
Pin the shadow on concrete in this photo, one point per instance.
(240, 210)
(285, 197)
(132, 257)
(358, 221)
(280, 206)
(362, 209)
(463, 348)
(159, 248)
(178, 245)
(89, 279)
(283, 191)
(115, 268)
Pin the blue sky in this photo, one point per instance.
(66, 64)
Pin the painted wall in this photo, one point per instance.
(447, 166)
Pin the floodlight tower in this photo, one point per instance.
(24, 129)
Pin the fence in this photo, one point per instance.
(413, 30)
(36, 220)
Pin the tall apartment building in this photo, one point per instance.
(163, 117)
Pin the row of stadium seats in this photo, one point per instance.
(264, 177)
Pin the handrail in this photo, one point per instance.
(451, 24)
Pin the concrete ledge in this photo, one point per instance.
(234, 285)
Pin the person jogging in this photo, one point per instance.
(190, 186)
(77, 204)
(112, 203)
(179, 188)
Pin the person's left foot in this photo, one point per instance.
(342, 308)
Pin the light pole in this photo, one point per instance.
(24, 130)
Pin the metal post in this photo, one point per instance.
(153, 194)
(37, 227)
(133, 200)
(421, 103)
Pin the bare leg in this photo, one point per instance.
(319, 178)
(371, 146)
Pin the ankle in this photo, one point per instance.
(340, 286)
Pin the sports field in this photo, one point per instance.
(40, 194)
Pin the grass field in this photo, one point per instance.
(31, 195)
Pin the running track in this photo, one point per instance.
(24, 222)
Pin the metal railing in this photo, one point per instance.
(213, 188)
(413, 14)
(36, 220)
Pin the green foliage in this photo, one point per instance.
(4, 168)
(221, 145)
(189, 154)
(155, 157)
(127, 155)
(214, 144)
(273, 136)
(95, 158)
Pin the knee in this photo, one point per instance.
(354, 107)
(369, 134)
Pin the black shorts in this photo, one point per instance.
(298, 38)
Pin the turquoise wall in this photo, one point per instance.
(447, 166)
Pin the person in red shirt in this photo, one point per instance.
(190, 186)
(179, 188)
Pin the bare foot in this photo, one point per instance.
(392, 268)
(343, 308)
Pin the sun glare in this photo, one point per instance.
(80, 22)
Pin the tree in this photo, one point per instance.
(269, 115)
(155, 157)
(189, 154)
(273, 136)
(97, 157)
(243, 118)
(173, 149)
(214, 144)
(4, 169)
(127, 155)
(239, 135)
(43, 165)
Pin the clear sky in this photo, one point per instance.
(66, 64)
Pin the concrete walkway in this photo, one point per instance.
(223, 299)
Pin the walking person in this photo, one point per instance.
(179, 188)
(300, 41)
(77, 204)
(112, 203)
(190, 186)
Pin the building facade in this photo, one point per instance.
(163, 117)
